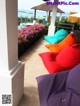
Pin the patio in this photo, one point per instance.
(12, 70)
(33, 68)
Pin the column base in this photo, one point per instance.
(12, 84)
(51, 30)
(34, 21)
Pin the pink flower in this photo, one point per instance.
(31, 30)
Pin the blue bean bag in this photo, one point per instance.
(60, 89)
(57, 37)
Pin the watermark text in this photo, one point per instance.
(62, 3)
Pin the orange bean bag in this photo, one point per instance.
(70, 39)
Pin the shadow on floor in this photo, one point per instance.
(30, 97)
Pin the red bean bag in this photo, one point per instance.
(69, 57)
(66, 59)
(49, 61)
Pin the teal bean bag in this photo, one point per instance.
(57, 37)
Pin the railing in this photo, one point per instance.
(67, 26)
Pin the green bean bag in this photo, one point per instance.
(57, 37)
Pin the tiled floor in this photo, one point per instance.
(33, 68)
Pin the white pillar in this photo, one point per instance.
(51, 29)
(11, 70)
(47, 14)
(60, 17)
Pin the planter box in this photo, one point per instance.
(23, 47)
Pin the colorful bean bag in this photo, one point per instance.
(57, 37)
(66, 59)
(70, 39)
(60, 89)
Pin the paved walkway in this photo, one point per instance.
(33, 68)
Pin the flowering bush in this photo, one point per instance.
(29, 33)
(21, 37)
